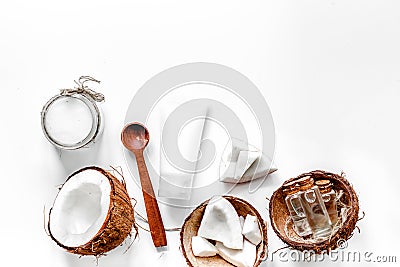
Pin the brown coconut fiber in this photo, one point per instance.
(192, 223)
(283, 226)
(117, 225)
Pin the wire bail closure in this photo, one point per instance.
(84, 89)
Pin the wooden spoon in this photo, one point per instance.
(135, 138)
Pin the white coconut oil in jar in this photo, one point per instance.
(73, 119)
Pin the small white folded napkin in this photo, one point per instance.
(242, 162)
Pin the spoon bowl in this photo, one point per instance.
(135, 136)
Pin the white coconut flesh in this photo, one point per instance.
(80, 208)
(221, 222)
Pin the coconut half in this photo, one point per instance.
(191, 226)
(92, 214)
(279, 215)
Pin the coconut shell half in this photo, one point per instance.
(192, 223)
(117, 224)
(279, 215)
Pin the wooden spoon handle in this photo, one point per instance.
(153, 212)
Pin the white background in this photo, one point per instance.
(330, 71)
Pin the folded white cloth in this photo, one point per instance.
(176, 182)
(242, 162)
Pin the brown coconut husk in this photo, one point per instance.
(192, 223)
(117, 225)
(279, 215)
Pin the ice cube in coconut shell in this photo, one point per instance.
(279, 215)
(92, 213)
(191, 226)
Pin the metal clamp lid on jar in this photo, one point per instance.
(90, 99)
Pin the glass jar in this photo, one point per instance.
(296, 210)
(314, 208)
(329, 198)
(73, 119)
